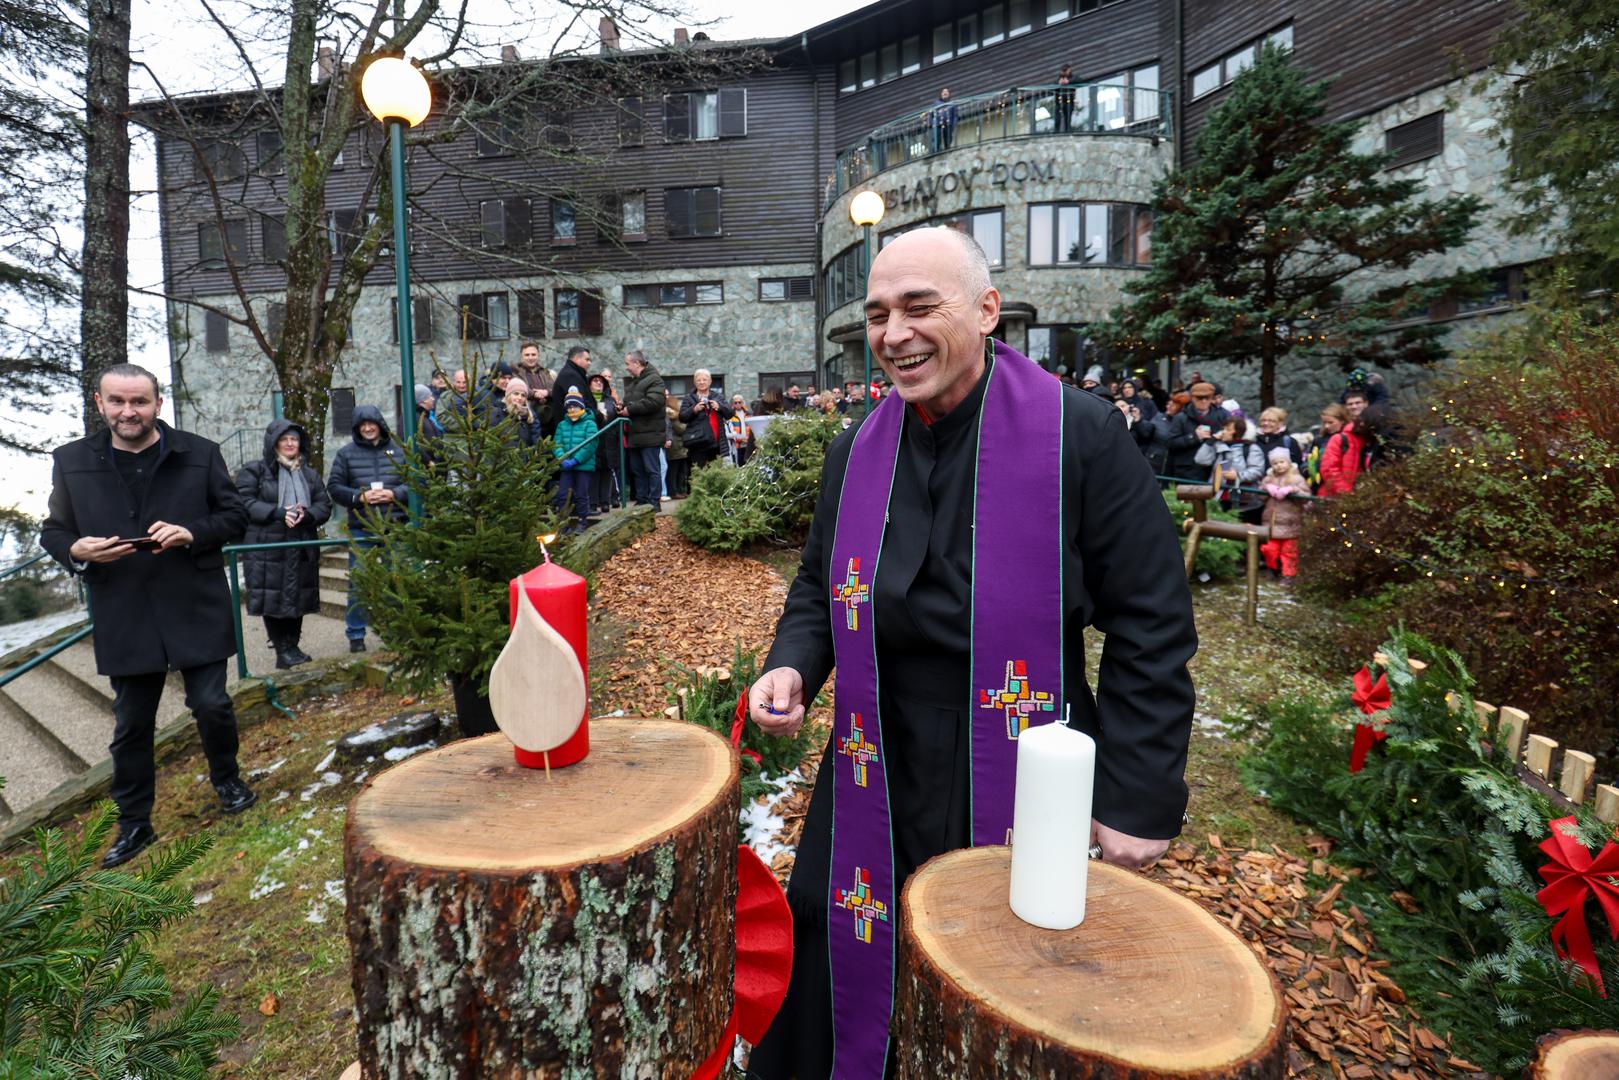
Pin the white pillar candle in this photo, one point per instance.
(1051, 825)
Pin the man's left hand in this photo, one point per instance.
(170, 536)
(1122, 849)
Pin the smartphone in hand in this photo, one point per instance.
(142, 543)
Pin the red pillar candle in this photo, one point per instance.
(559, 595)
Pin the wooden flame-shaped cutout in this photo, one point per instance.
(536, 688)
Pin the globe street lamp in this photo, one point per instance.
(396, 92)
(866, 210)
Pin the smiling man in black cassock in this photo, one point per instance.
(965, 535)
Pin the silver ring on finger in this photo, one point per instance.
(1095, 851)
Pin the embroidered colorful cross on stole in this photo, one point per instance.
(1016, 671)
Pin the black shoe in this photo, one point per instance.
(299, 656)
(357, 644)
(132, 840)
(235, 796)
(286, 658)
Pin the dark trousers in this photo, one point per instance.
(605, 486)
(573, 489)
(134, 775)
(647, 473)
(284, 632)
(698, 456)
(680, 477)
(356, 618)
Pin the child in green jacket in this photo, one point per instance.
(575, 446)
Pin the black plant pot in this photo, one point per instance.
(472, 710)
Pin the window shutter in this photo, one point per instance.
(706, 219)
(531, 312)
(590, 313)
(469, 307)
(801, 288)
(274, 234)
(1421, 138)
(608, 226)
(345, 225)
(271, 161)
(733, 113)
(676, 118)
(492, 217)
(629, 121)
(216, 331)
(342, 407)
(421, 315)
(519, 222)
(677, 207)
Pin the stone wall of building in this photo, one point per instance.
(738, 340)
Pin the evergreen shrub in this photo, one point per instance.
(1450, 837)
(771, 498)
(80, 994)
(1498, 534)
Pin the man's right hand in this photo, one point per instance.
(100, 549)
(781, 689)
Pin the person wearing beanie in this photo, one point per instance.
(1282, 514)
(574, 444)
(427, 425)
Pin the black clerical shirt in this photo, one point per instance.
(1122, 572)
(135, 469)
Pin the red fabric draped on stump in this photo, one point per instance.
(1571, 877)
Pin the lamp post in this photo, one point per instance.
(866, 210)
(396, 92)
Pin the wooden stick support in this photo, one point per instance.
(503, 924)
(1149, 984)
(1512, 726)
(1578, 768)
(1607, 805)
(1575, 1055)
(1538, 755)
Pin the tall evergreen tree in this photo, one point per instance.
(1281, 242)
(1560, 119)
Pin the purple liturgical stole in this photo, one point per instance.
(1016, 670)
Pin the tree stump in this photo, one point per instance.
(504, 924)
(1576, 1055)
(1149, 984)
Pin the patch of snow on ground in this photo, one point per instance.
(400, 753)
(1212, 724)
(264, 886)
(325, 761)
(316, 913)
(369, 734)
(326, 780)
(254, 774)
(281, 795)
(204, 897)
(761, 822)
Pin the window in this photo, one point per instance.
(632, 213)
(506, 222)
(564, 222)
(1109, 93)
(212, 247)
(888, 62)
(273, 237)
(1144, 92)
(220, 158)
(733, 113)
(944, 42)
(681, 385)
(1070, 347)
(1018, 18)
(985, 226)
(498, 136)
(498, 315)
(1283, 38)
(966, 35)
(1422, 138)
(1209, 79)
(485, 316)
(342, 231)
(558, 129)
(271, 161)
(1206, 81)
(1240, 61)
(845, 277)
(868, 70)
(636, 296)
(1056, 11)
(674, 294)
(531, 312)
(341, 400)
(471, 323)
(910, 55)
(578, 312)
(848, 77)
(994, 17)
(781, 380)
(385, 244)
(421, 320)
(216, 331)
(692, 211)
(1089, 234)
(630, 122)
(786, 289)
(704, 115)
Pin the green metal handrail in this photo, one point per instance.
(23, 565)
(618, 447)
(230, 551)
(1239, 488)
(24, 668)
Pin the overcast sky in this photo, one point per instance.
(176, 45)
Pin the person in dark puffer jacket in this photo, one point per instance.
(367, 478)
(285, 500)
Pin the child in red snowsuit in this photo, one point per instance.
(1285, 516)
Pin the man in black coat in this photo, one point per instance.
(1189, 429)
(575, 375)
(141, 511)
(368, 478)
(645, 403)
(930, 307)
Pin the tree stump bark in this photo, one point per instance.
(1576, 1055)
(1149, 984)
(502, 924)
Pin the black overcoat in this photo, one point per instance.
(153, 611)
(286, 583)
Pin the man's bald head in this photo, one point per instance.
(970, 263)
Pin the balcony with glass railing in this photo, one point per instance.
(1088, 110)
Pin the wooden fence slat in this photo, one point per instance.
(1486, 714)
(1608, 803)
(1417, 666)
(1578, 767)
(1514, 725)
(1538, 755)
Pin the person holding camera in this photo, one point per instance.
(285, 500)
(704, 413)
(139, 511)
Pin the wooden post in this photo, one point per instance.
(1538, 755)
(1149, 984)
(1513, 725)
(504, 924)
(1607, 807)
(1575, 1055)
(1250, 612)
(1487, 715)
(1578, 768)
(1194, 532)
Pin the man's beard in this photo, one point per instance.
(142, 429)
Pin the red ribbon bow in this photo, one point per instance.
(1369, 698)
(1571, 877)
(739, 718)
